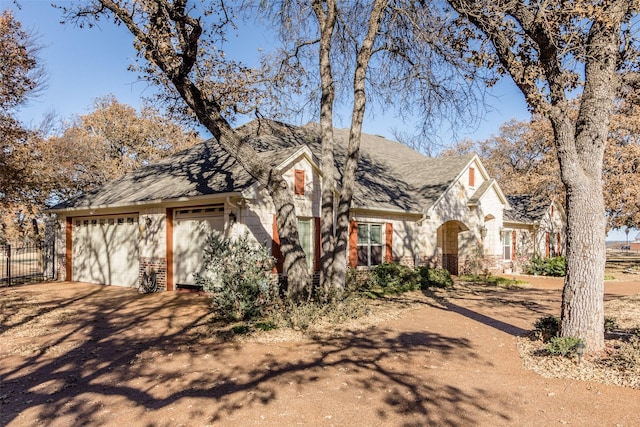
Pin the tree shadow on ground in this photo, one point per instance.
(139, 353)
(489, 302)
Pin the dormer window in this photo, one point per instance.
(298, 185)
(472, 177)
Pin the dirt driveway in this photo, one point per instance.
(106, 356)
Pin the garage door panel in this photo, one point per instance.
(105, 250)
(190, 238)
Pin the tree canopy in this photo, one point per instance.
(21, 76)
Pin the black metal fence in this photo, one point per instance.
(26, 263)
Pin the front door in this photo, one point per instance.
(449, 245)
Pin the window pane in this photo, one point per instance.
(507, 253)
(363, 255)
(506, 242)
(363, 234)
(376, 234)
(304, 230)
(376, 255)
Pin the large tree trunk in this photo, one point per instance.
(353, 149)
(581, 159)
(327, 22)
(582, 312)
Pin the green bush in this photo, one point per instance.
(562, 346)
(394, 278)
(547, 328)
(434, 277)
(556, 267)
(238, 277)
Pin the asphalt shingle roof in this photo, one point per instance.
(390, 175)
(524, 208)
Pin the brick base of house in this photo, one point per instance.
(158, 266)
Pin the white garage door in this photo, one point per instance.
(105, 250)
(191, 227)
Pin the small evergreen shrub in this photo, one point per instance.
(394, 278)
(562, 346)
(556, 267)
(434, 277)
(238, 277)
(547, 328)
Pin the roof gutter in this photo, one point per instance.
(179, 201)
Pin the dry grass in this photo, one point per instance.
(625, 311)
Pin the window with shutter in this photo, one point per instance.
(370, 244)
(472, 177)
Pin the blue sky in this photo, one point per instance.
(84, 64)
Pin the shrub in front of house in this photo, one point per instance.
(238, 277)
(434, 277)
(394, 278)
(556, 266)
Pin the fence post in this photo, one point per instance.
(8, 265)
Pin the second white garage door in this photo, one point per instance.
(191, 227)
(105, 250)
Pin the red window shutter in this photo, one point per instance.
(472, 177)
(275, 249)
(298, 186)
(388, 253)
(558, 247)
(317, 247)
(513, 245)
(353, 244)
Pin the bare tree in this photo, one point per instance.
(554, 50)
(391, 51)
(180, 53)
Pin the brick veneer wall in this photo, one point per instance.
(159, 265)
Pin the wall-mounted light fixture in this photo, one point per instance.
(232, 218)
(147, 221)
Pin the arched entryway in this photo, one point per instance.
(448, 244)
